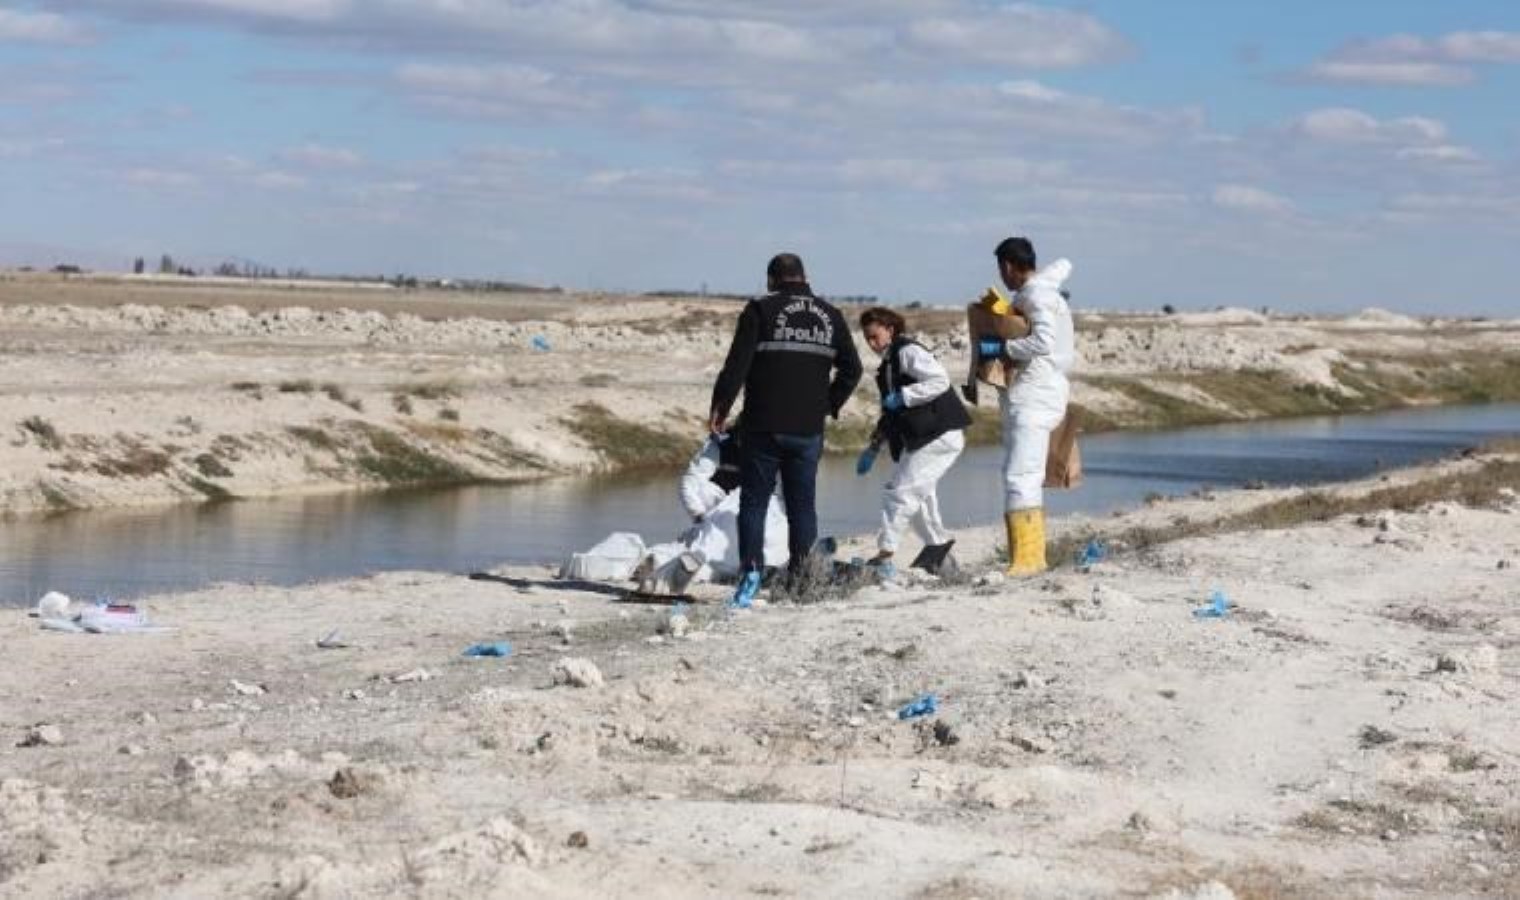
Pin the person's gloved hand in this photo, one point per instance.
(866, 460)
(893, 401)
(990, 347)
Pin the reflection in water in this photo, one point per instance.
(287, 541)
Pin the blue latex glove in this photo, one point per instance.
(893, 401)
(990, 347)
(866, 460)
(927, 705)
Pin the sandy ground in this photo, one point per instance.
(122, 392)
(1348, 730)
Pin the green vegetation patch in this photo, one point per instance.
(317, 437)
(56, 497)
(47, 436)
(208, 465)
(627, 445)
(430, 390)
(213, 491)
(134, 461)
(500, 449)
(389, 457)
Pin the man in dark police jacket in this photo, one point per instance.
(795, 360)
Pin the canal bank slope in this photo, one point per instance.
(118, 392)
(1347, 722)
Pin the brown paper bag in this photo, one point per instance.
(1063, 467)
(981, 320)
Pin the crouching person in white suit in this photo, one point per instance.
(923, 424)
(710, 495)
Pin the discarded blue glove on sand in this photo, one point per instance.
(926, 705)
(1218, 608)
(1091, 555)
(492, 648)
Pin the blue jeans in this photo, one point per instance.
(762, 456)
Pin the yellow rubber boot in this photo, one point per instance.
(1026, 541)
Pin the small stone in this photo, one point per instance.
(353, 694)
(146, 718)
(197, 704)
(1373, 736)
(578, 840)
(1028, 743)
(679, 625)
(412, 676)
(346, 784)
(944, 734)
(1139, 822)
(42, 736)
(1480, 660)
(1503, 564)
(130, 750)
(580, 673)
(248, 690)
(1390, 835)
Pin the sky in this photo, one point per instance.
(1323, 156)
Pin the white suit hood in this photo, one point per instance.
(1052, 276)
(1049, 350)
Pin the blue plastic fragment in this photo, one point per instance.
(490, 648)
(1218, 608)
(926, 705)
(1091, 555)
(540, 343)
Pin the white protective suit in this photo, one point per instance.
(1035, 403)
(910, 493)
(716, 533)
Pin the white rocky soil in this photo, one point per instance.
(1348, 729)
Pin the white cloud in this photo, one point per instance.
(278, 180)
(885, 175)
(1440, 153)
(661, 185)
(1408, 74)
(40, 28)
(492, 91)
(1345, 125)
(1248, 199)
(1017, 35)
(317, 156)
(160, 178)
(1480, 46)
(1425, 207)
(1404, 59)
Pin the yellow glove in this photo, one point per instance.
(995, 302)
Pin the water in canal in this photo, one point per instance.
(130, 553)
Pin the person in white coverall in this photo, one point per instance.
(923, 424)
(1034, 404)
(710, 495)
